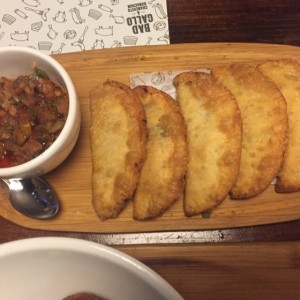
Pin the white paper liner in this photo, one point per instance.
(61, 26)
(162, 80)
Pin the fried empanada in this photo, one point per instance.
(162, 177)
(286, 75)
(265, 128)
(118, 138)
(214, 140)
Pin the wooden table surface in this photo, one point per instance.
(260, 262)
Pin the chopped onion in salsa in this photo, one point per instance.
(33, 111)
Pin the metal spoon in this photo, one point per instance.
(32, 197)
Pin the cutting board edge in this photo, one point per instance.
(290, 49)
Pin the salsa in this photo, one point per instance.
(33, 111)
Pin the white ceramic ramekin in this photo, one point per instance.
(15, 61)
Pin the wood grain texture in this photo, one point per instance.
(227, 271)
(72, 180)
(234, 21)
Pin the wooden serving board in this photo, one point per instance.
(72, 180)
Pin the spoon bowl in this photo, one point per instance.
(33, 197)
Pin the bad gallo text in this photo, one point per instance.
(140, 24)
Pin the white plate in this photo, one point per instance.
(51, 268)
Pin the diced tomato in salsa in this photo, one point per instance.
(5, 162)
(33, 111)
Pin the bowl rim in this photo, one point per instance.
(71, 118)
(95, 249)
